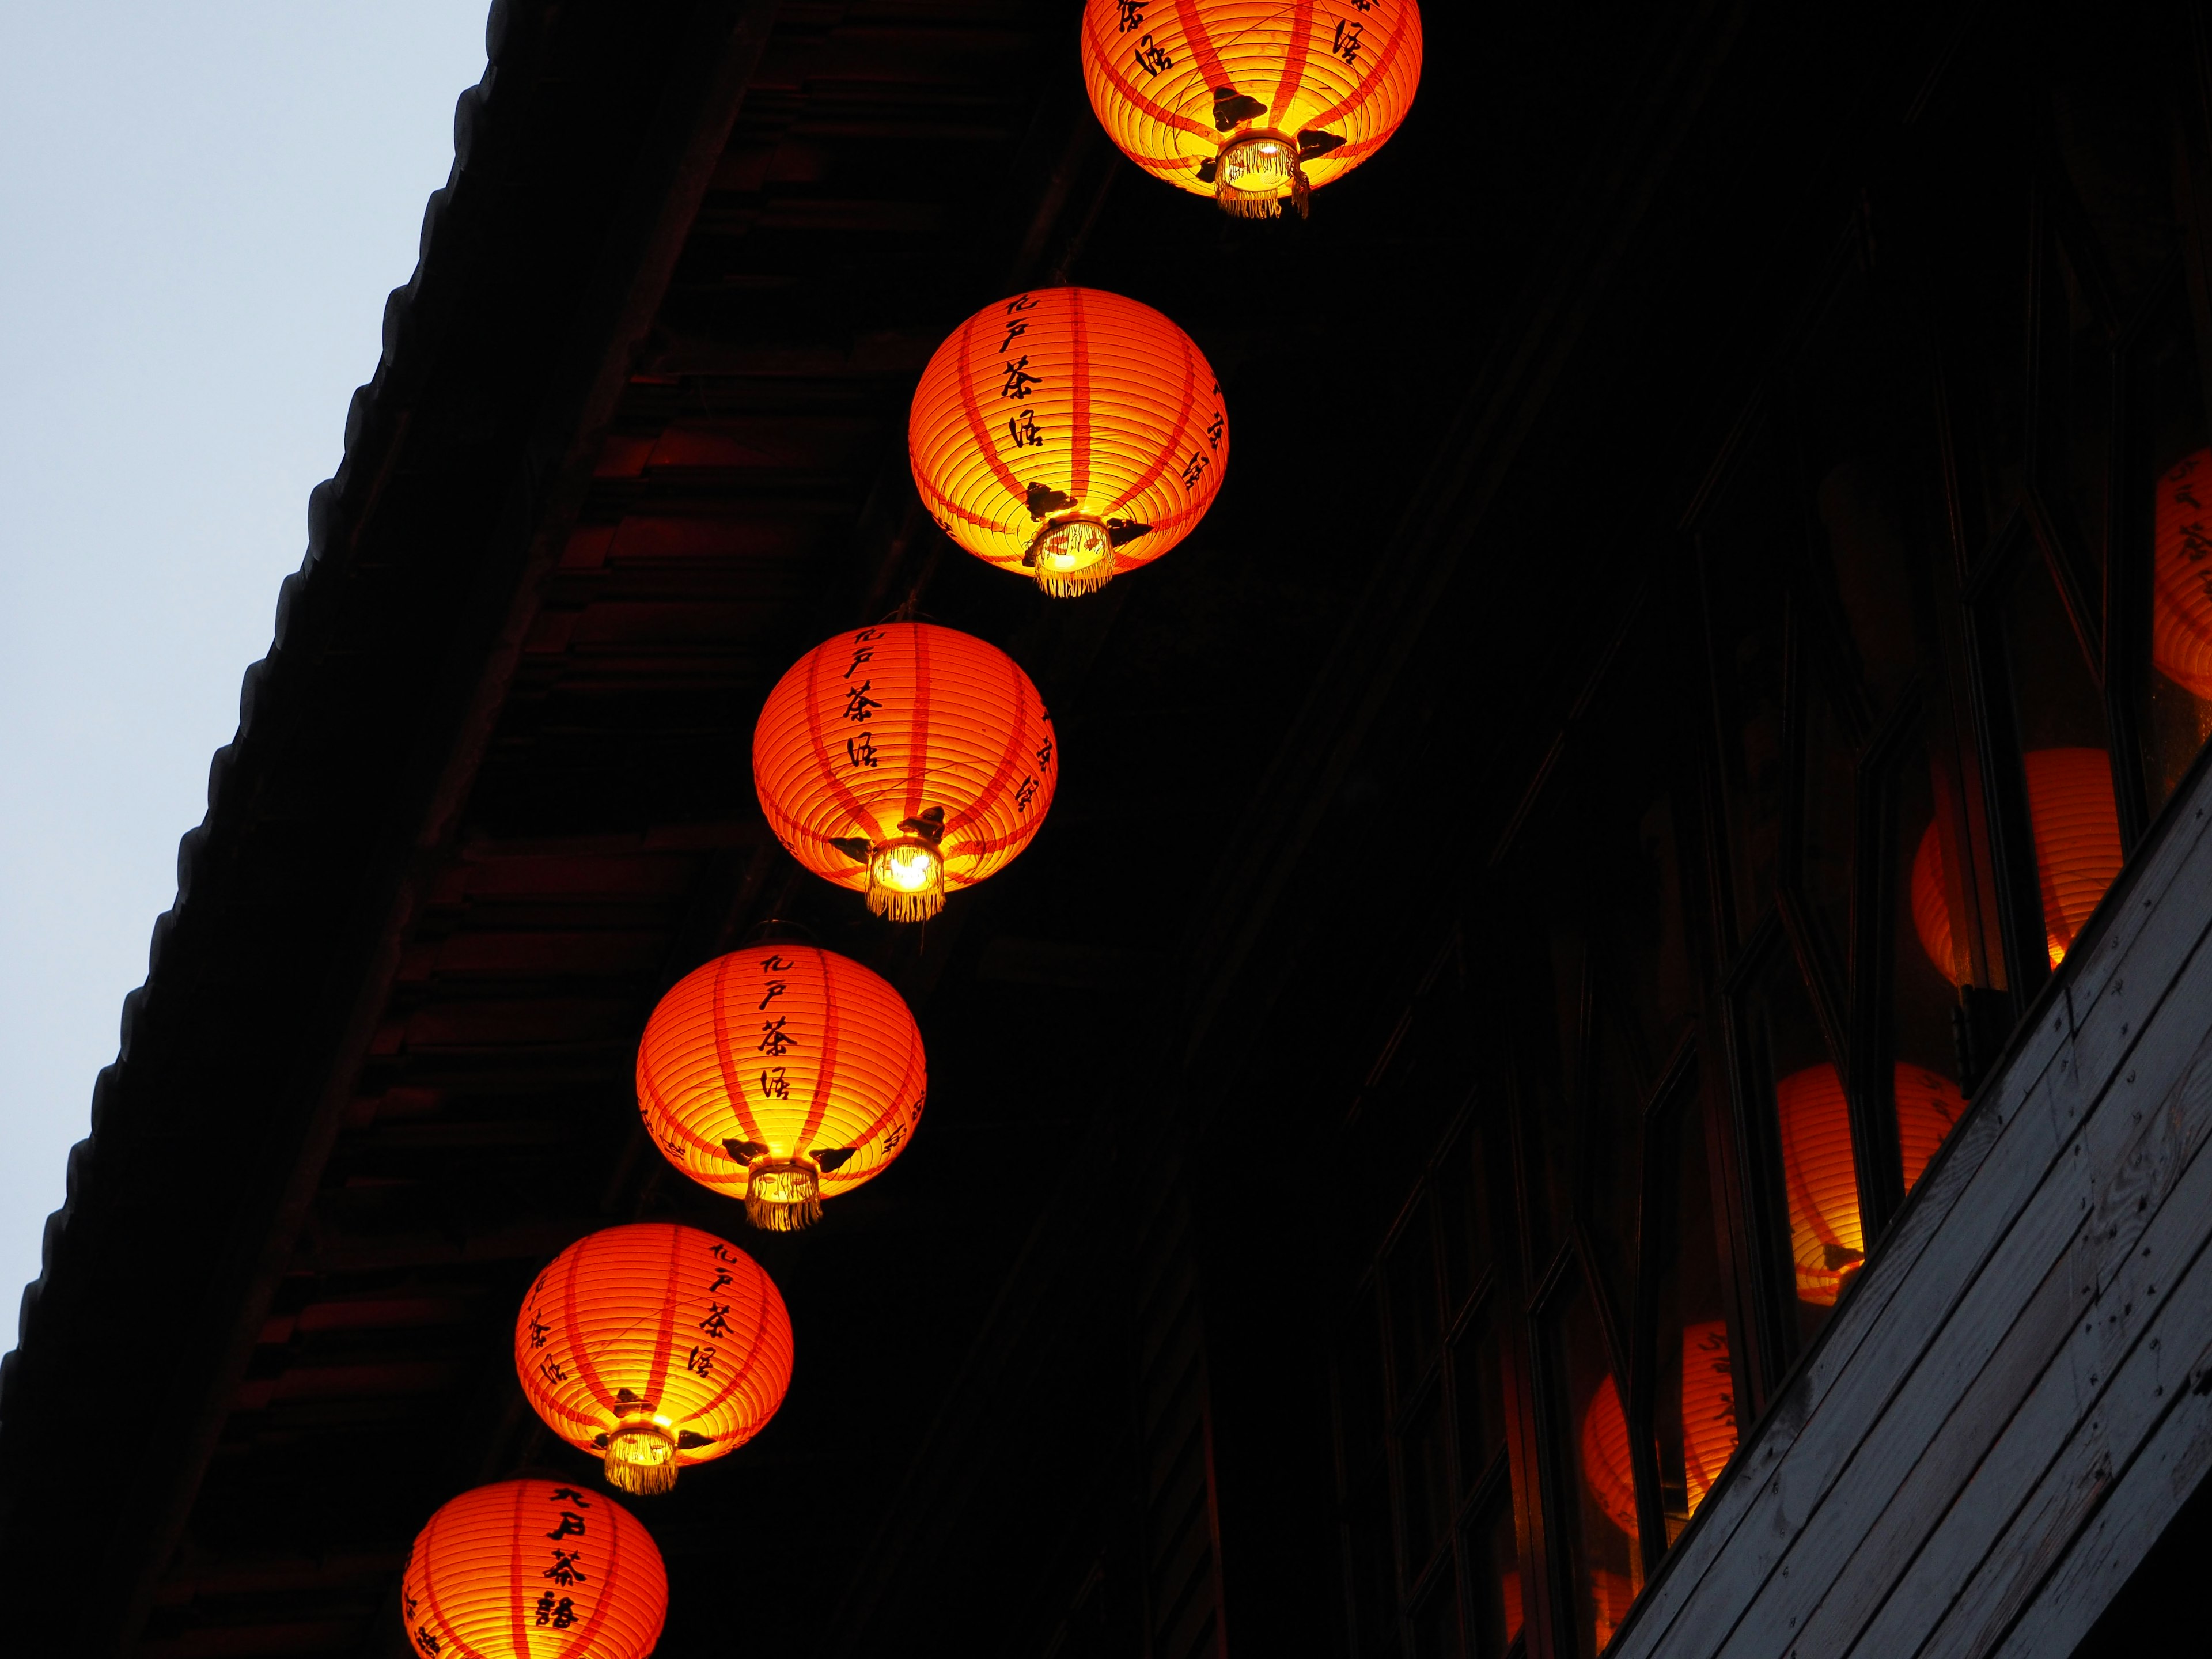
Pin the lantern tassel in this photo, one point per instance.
(1074, 584)
(780, 1216)
(904, 906)
(640, 1479)
(782, 1198)
(1250, 204)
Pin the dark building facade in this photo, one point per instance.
(1601, 1048)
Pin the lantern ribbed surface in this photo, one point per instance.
(2181, 575)
(2078, 855)
(781, 1055)
(1067, 433)
(1607, 1470)
(1252, 102)
(655, 1346)
(1709, 1432)
(905, 760)
(533, 1570)
(1824, 1235)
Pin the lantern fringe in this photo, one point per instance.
(771, 1216)
(904, 906)
(1072, 585)
(1246, 204)
(641, 1479)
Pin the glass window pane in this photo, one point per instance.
(2173, 469)
(1744, 545)
(1479, 1401)
(1436, 1621)
(1412, 1275)
(2061, 717)
(1695, 1416)
(1373, 1586)
(1585, 1402)
(1466, 1220)
(1813, 1138)
(1425, 1481)
(1496, 1560)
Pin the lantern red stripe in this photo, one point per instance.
(1079, 461)
(602, 1395)
(520, 1633)
(940, 499)
(1097, 404)
(998, 789)
(664, 1335)
(1103, 63)
(1353, 76)
(686, 1326)
(1409, 22)
(985, 444)
(938, 725)
(1172, 446)
(1294, 61)
(844, 1091)
(474, 1578)
(825, 767)
(732, 1085)
(609, 1597)
(444, 1626)
(825, 1078)
(745, 1373)
(1201, 44)
(917, 766)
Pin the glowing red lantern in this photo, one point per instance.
(1826, 1237)
(656, 1346)
(904, 760)
(2078, 855)
(781, 1074)
(1250, 101)
(1709, 1432)
(2181, 576)
(533, 1570)
(1068, 433)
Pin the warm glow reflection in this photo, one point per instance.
(2077, 854)
(1826, 1234)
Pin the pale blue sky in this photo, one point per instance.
(202, 204)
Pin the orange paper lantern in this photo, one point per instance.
(1068, 433)
(2077, 854)
(1251, 101)
(904, 760)
(781, 1074)
(2181, 576)
(533, 1570)
(1824, 1235)
(1709, 1431)
(656, 1346)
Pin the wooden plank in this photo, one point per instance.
(2147, 1496)
(2156, 1375)
(1997, 1158)
(2095, 1204)
(2152, 1220)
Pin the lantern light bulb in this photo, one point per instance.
(1260, 166)
(1074, 556)
(909, 868)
